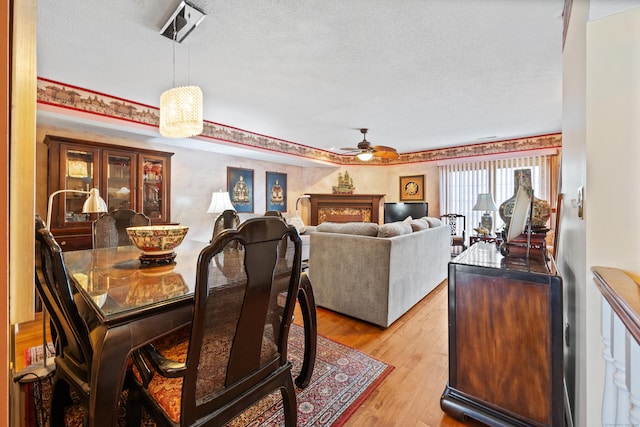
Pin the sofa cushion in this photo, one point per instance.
(418, 224)
(433, 222)
(393, 229)
(358, 228)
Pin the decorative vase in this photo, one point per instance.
(541, 208)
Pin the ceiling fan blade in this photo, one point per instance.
(391, 155)
(350, 150)
(382, 148)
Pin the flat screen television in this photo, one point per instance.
(399, 211)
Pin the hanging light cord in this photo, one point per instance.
(175, 37)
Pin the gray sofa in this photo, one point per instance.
(376, 279)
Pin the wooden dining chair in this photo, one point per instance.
(235, 352)
(110, 229)
(458, 225)
(73, 347)
(227, 220)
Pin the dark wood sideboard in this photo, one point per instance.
(505, 339)
(345, 208)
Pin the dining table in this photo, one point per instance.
(128, 303)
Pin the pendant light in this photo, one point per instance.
(180, 107)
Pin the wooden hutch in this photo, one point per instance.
(128, 178)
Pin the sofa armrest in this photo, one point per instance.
(310, 229)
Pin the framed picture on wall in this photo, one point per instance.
(240, 188)
(412, 188)
(276, 191)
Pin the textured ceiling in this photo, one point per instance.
(419, 74)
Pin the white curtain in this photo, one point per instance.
(461, 182)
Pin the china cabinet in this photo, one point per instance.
(128, 178)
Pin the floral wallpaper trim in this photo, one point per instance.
(74, 98)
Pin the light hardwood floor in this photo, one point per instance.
(416, 345)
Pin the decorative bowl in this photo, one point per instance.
(157, 240)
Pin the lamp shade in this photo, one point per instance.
(365, 156)
(181, 112)
(94, 202)
(220, 202)
(485, 203)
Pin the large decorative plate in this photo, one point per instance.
(520, 213)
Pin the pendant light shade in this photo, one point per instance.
(181, 112)
(181, 107)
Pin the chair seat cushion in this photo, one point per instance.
(167, 392)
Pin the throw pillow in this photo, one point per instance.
(417, 225)
(424, 221)
(434, 222)
(358, 228)
(394, 229)
(297, 222)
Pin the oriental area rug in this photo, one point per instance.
(342, 380)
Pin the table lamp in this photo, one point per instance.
(220, 202)
(485, 203)
(93, 204)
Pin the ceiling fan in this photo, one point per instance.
(365, 151)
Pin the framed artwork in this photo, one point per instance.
(240, 188)
(412, 188)
(276, 191)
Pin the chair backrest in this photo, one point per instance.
(110, 229)
(241, 321)
(58, 295)
(227, 220)
(457, 223)
(274, 213)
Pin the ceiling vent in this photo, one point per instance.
(186, 18)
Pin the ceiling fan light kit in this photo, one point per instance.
(181, 113)
(365, 151)
(365, 156)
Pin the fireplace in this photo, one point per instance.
(345, 208)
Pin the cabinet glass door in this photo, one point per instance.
(154, 192)
(80, 172)
(120, 172)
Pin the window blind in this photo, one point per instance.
(461, 182)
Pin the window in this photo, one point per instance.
(461, 182)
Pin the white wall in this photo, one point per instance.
(378, 180)
(571, 254)
(613, 158)
(601, 151)
(195, 174)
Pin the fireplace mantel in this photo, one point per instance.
(345, 208)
